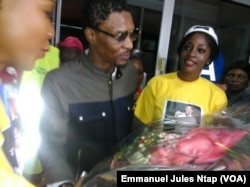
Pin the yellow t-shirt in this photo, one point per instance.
(165, 95)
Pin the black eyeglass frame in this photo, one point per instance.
(121, 36)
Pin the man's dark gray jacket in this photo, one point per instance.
(86, 113)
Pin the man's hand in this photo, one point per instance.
(80, 180)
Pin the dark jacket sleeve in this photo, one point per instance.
(53, 129)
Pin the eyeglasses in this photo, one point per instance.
(121, 36)
(239, 76)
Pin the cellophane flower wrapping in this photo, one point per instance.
(200, 148)
(223, 145)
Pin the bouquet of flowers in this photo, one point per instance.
(201, 148)
(223, 145)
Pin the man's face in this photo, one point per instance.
(107, 49)
(26, 29)
(188, 110)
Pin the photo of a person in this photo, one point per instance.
(181, 113)
(186, 116)
(188, 112)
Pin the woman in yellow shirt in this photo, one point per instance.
(26, 30)
(165, 94)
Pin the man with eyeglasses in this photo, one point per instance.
(88, 102)
(236, 79)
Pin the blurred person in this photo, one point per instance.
(21, 43)
(10, 82)
(88, 102)
(29, 102)
(69, 48)
(164, 93)
(236, 79)
(10, 79)
(136, 60)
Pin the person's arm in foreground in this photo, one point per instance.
(53, 128)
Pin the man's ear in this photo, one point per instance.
(90, 35)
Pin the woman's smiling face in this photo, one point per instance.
(195, 54)
(26, 30)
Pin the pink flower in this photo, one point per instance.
(209, 144)
(200, 145)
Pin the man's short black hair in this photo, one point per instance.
(97, 11)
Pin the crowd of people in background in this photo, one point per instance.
(91, 101)
(69, 48)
